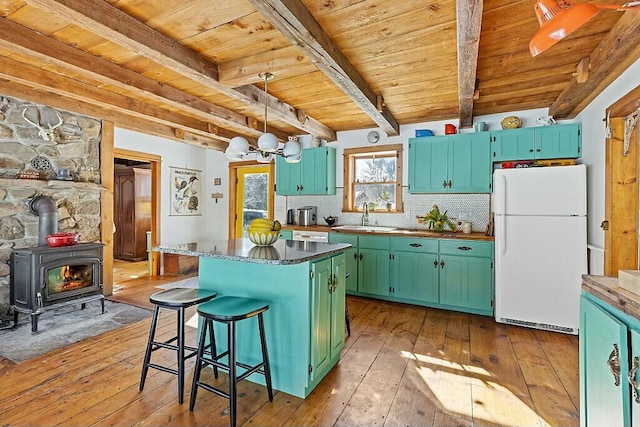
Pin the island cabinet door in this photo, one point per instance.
(321, 282)
(604, 391)
(339, 265)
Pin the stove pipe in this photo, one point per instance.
(47, 212)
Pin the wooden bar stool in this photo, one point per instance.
(229, 310)
(175, 299)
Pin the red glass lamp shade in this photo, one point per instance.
(560, 18)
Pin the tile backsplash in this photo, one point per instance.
(472, 207)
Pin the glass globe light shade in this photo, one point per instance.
(238, 145)
(232, 156)
(293, 159)
(291, 148)
(268, 142)
(263, 157)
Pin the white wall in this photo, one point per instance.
(212, 224)
(593, 155)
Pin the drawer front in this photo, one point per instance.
(373, 242)
(352, 239)
(466, 248)
(412, 244)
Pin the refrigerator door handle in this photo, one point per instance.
(503, 230)
(502, 197)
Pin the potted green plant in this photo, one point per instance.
(436, 220)
(386, 198)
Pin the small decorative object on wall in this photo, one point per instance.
(185, 191)
(511, 122)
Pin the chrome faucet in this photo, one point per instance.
(365, 214)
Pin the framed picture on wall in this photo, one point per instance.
(185, 191)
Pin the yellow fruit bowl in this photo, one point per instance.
(263, 238)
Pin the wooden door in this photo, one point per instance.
(621, 202)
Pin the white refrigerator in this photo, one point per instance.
(540, 246)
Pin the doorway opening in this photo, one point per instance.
(252, 196)
(135, 210)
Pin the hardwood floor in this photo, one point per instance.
(402, 365)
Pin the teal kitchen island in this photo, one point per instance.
(304, 283)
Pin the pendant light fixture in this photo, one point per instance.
(559, 18)
(239, 148)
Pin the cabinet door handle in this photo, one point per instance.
(631, 377)
(531, 150)
(449, 184)
(415, 245)
(614, 364)
(442, 264)
(360, 257)
(355, 256)
(464, 248)
(444, 184)
(537, 150)
(335, 283)
(435, 263)
(330, 283)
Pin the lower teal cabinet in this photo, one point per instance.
(328, 305)
(466, 282)
(373, 271)
(609, 351)
(285, 234)
(414, 269)
(352, 258)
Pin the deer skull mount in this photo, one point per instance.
(46, 134)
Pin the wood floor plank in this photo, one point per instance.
(403, 366)
(551, 401)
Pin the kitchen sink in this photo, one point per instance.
(370, 228)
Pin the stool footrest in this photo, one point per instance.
(212, 389)
(163, 369)
(249, 369)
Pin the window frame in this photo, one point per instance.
(348, 157)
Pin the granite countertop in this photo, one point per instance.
(606, 289)
(402, 232)
(282, 252)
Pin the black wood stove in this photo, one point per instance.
(45, 277)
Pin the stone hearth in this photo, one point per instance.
(23, 147)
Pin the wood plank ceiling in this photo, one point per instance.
(188, 70)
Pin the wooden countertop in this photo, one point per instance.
(606, 289)
(398, 232)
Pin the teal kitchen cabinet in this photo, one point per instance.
(466, 275)
(285, 234)
(450, 164)
(314, 174)
(328, 320)
(609, 350)
(545, 142)
(373, 265)
(414, 269)
(352, 258)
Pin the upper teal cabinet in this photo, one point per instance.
(450, 164)
(315, 174)
(546, 142)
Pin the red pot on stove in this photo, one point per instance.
(62, 239)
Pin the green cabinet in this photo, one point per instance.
(609, 350)
(450, 164)
(285, 234)
(466, 275)
(351, 258)
(454, 274)
(314, 174)
(545, 142)
(373, 265)
(414, 269)
(328, 305)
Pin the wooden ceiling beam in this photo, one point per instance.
(298, 25)
(111, 23)
(125, 121)
(22, 39)
(469, 18)
(88, 93)
(616, 52)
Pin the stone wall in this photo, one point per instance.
(63, 140)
